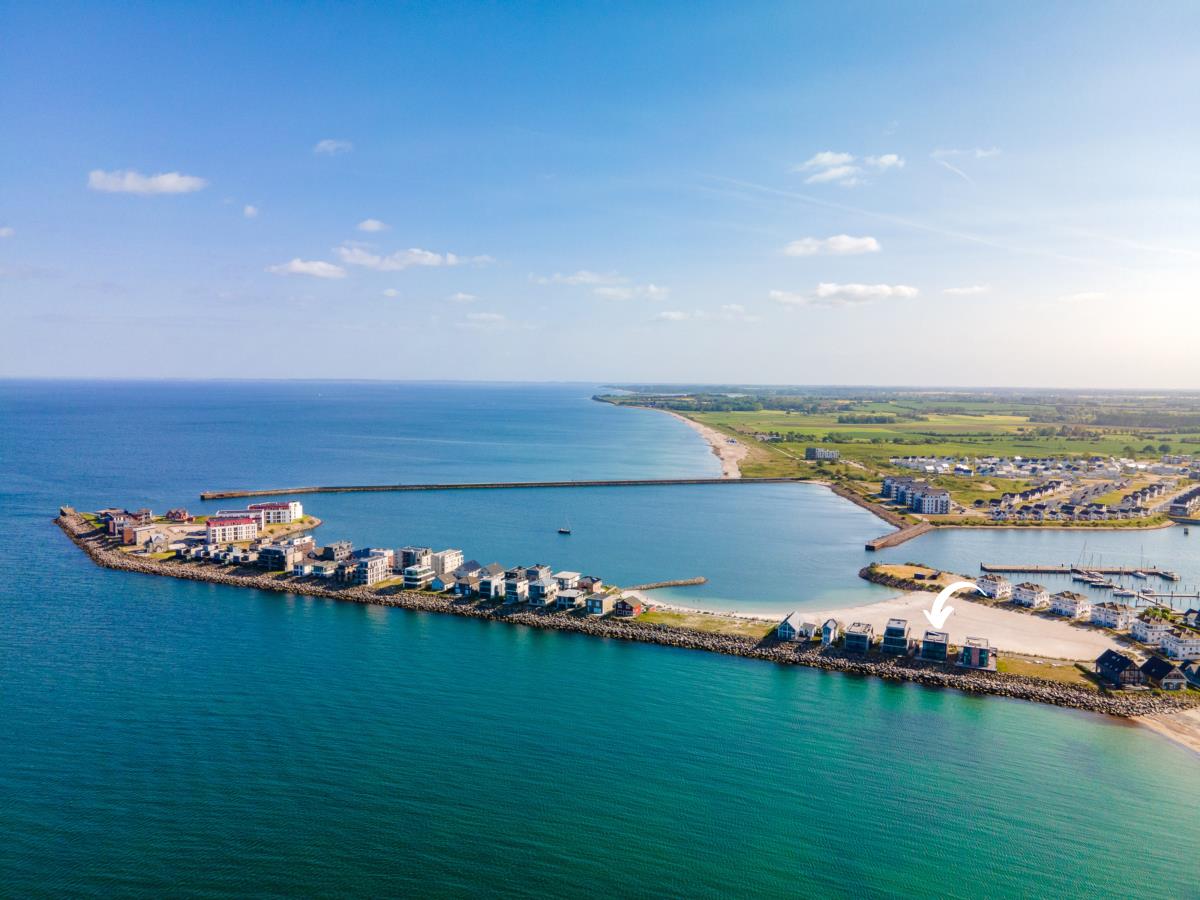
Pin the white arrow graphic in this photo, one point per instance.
(938, 615)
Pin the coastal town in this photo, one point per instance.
(270, 545)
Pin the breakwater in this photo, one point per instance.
(906, 529)
(96, 545)
(677, 582)
(483, 486)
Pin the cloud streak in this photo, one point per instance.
(829, 293)
(129, 181)
(332, 147)
(414, 257)
(314, 268)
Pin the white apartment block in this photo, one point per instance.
(1032, 595)
(1113, 615)
(231, 529)
(1150, 631)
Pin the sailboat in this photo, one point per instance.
(566, 529)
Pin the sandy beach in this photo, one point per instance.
(1008, 631)
(1182, 727)
(731, 455)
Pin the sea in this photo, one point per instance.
(164, 738)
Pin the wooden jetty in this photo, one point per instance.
(483, 485)
(1067, 570)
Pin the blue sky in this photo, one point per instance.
(939, 193)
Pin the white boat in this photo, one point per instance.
(1140, 574)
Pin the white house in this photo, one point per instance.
(278, 513)
(794, 628)
(1149, 630)
(995, 586)
(445, 561)
(230, 529)
(1070, 604)
(567, 581)
(1113, 615)
(1032, 595)
(830, 632)
(1182, 644)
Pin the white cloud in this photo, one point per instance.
(838, 245)
(332, 147)
(829, 293)
(127, 181)
(355, 255)
(250, 212)
(462, 297)
(1083, 297)
(826, 159)
(489, 318)
(643, 291)
(315, 267)
(846, 176)
(391, 292)
(672, 315)
(371, 225)
(967, 291)
(583, 276)
(7, 231)
(830, 166)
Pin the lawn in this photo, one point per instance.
(1051, 670)
(705, 622)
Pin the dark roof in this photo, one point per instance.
(1156, 667)
(1114, 661)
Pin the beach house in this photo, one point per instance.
(590, 584)
(569, 598)
(976, 653)
(1150, 630)
(1070, 604)
(895, 637)
(830, 632)
(1118, 668)
(1113, 615)
(935, 646)
(859, 637)
(491, 581)
(1031, 595)
(567, 581)
(795, 628)
(1182, 643)
(599, 604)
(543, 591)
(997, 587)
(1164, 673)
(627, 606)
(516, 586)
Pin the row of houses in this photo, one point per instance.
(1123, 671)
(859, 637)
(918, 496)
(1179, 641)
(237, 525)
(1186, 504)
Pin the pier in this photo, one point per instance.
(1067, 570)
(486, 486)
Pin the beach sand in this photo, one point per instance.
(1007, 631)
(731, 455)
(1182, 727)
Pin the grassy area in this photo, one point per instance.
(704, 622)
(1064, 672)
(909, 572)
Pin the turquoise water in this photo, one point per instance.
(164, 737)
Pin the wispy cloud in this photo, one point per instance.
(834, 167)
(127, 181)
(966, 291)
(838, 245)
(7, 231)
(1083, 297)
(943, 155)
(480, 321)
(644, 291)
(583, 276)
(315, 268)
(672, 315)
(250, 212)
(354, 255)
(462, 297)
(371, 225)
(332, 147)
(728, 312)
(829, 293)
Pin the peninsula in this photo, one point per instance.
(587, 607)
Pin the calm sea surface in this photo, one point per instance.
(161, 737)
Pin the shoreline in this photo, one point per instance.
(1022, 687)
(730, 455)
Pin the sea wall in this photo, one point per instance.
(95, 544)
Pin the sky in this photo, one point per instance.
(855, 193)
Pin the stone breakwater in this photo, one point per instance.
(893, 581)
(1019, 687)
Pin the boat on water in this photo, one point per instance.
(1169, 576)
(1124, 592)
(1140, 574)
(1105, 584)
(1078, 575)
(566, 529)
